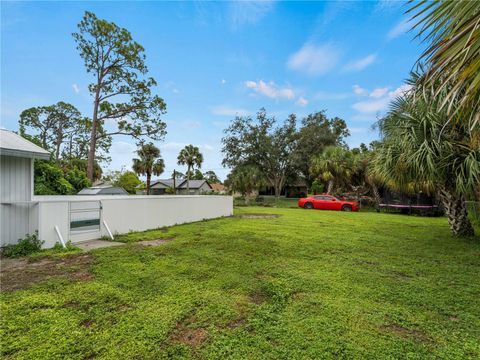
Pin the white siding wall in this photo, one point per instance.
(16, 192)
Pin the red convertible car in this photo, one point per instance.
(327, 202)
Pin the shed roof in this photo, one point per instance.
(12, 144)
(103, 190)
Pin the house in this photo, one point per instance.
(219, 188)
(105, 189)
(295, 189)
(196, 187)
(16, 183)
(162, 186)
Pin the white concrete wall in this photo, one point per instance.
(129, 213)
(51, 214)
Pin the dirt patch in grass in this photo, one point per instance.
(237, 323)
(405, 333)
(186, 333)
(258, 297)
(155, 242)
(259, 216)
(17, 274)
(191, 337)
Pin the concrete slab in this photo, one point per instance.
(97, 244)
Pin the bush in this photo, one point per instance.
(170, 191)
(317, 187)
(24, 247)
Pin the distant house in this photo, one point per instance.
(161, 186)
(103, 190)
(296, 189)
(197, 187)
(219, 188)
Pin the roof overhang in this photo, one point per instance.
(24, 154)
(12, 144)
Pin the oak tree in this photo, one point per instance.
(263, 143)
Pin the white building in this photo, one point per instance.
(82, 217)
(16, 186)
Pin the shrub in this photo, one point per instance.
(170, 191)
(24, 247)
(317, 187)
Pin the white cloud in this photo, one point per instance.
(224, 110)
(270, 89)
(382, 100)
(248, 12)
(302, 101)
(401, 28)
(388, 6)
(314, 60)
(361, 64)
(379, 92)
(122, 154)
(402, 90)
(358, 90)
(223, 81)
(371, 106)
(75, 88)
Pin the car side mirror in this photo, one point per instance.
(334, 199)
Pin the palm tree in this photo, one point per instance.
(423, 148)
(149, 163)
(190, 155)
(334, 166)
(363, 170)
(452, 29)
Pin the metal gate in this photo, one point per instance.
(85, 218)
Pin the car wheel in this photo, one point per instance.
(346, 208)
(308, 206)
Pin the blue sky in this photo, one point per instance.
(213, 60)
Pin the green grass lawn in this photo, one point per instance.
(305, 285)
